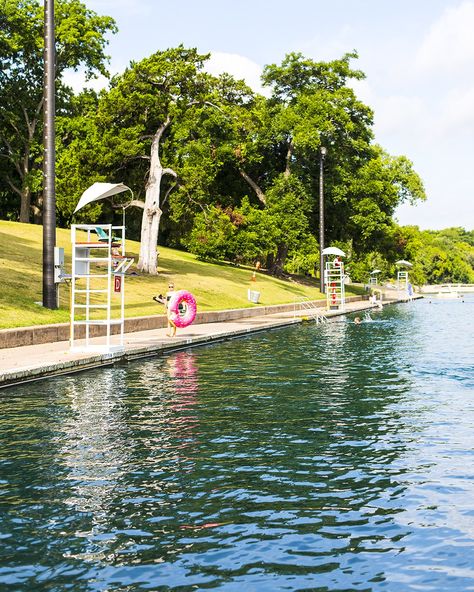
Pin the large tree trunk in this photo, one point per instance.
(151, 217)
(147, 261)
(37, 210)
(25, 205)
(24, 194)
(25, 167)
(279, 260)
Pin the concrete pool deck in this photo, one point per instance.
(33, 362)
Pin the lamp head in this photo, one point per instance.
(323, 151)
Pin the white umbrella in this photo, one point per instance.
(333, 251)
(403, 263)
(376, 271)
(100, 191)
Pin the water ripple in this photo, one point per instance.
(334, 457)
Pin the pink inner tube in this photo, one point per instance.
(182, 320)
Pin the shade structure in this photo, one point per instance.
(376, 271)
(333, 251)
(100, 191)
(403, 263)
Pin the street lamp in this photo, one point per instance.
(322, 155)
(49, 199)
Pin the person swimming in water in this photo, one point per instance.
(357, 321)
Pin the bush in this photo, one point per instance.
(212, 235)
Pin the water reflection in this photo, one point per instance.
(92, 442)
(331, 457)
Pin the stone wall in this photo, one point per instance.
(60, 332)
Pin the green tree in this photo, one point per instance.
(312, 105)
(381, 184)
(145, 122)
(77, 144)
(441, 256)
(80, 43)
(220, 159)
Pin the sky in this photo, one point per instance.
(418, 57)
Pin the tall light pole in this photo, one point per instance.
(49, 195)
(322, 155)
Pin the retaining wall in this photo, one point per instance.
(38, 334)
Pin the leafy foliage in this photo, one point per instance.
(236, 175)
(80, 42)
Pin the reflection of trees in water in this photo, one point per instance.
(127, 443)
(32, 488)
(161, 430)
(93, 437)
(286, 448)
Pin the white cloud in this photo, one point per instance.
(457, 113)
(399, 113)
(239, 66)
(77, 81)
(449, 45)
(126, 7)
(392, 113)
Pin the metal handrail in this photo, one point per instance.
(305, 304)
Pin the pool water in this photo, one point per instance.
(318, 457)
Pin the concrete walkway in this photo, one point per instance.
(33, 362)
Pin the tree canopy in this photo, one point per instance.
(80, 42)
(215, 167)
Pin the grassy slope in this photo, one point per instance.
(215, 286)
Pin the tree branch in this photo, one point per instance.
(169, 190)
(138, 203)
(289, 156)
(161, 130)
(13, 187)
(169, 171)
(260, 194)
(10, 155)
(191, 103)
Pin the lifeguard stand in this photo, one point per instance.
(402, 274)
(334, 279)
(99, 264)
(402, 279)
(373, 280)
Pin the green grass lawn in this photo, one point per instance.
(215, 286)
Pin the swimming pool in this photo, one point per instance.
(317, 457)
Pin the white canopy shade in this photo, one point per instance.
(403, 263)
(376, 271)
(100, 191)
(333, 251)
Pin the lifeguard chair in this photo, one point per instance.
(402, 274)
(334, 279)
(373, 280)
(99, 267)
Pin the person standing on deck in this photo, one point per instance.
(171, 325)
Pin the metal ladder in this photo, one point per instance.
(305, 304)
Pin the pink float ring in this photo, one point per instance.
(182, 318)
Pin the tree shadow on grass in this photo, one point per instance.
(19, 249)
(223, 271)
